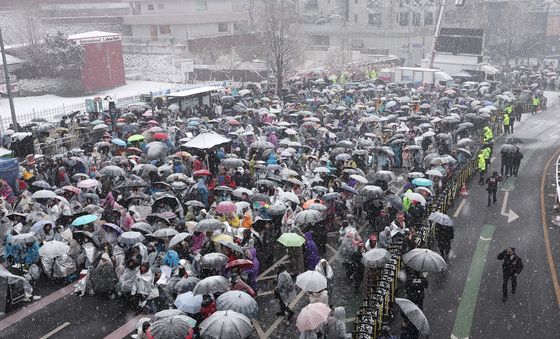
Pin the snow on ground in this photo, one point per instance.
(24, 105)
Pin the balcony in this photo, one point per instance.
(185, 19)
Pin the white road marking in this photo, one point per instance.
(510, 214)
(56, 330)
(460, 208)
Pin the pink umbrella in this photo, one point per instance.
(88, 183)
(312, 316)
(71, 189)
(226, 207)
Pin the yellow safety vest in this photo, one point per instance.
(481, 162)
(506, 119)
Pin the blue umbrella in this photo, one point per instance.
(422, 182)
(84, 219)
(119, 142)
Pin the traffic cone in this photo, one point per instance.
(464, 190)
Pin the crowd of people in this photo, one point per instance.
(178, 213)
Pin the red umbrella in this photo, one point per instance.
(241, 263)
(202, 173)
(153, 122)
(161, 136)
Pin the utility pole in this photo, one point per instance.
(8, 86)
(436, 35)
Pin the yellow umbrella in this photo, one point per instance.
(221, 236)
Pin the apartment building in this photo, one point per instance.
(340, 31)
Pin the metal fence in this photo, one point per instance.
(54, 114)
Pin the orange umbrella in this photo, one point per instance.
(310, 202)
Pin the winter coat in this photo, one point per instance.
(285, 287)
(312, 256)
(103, 278)
(143, 283)
(512, 264)
(335, 328)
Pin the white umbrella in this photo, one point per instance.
(434, 173)
(54, 248)
(43, 194)
(415, 315)
(188, 302)
(311, 281)
(308, 217)
(441, 218)
(416, 197)
(424, 260)
(213, 260)
(359, 178)
(206, 140)
(290, 197)
(178, 238)
(226, 325)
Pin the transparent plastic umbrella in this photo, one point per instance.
(238, 301)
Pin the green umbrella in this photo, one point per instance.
(135, 137)
(291, 240)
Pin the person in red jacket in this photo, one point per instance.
(208, 306)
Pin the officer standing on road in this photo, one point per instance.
(511, 267)
(481, 167)
(506, 122)
(415, 287)
(492, 186)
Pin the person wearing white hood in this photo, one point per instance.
(335, 328)
(325, 269)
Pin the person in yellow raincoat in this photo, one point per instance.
(481, 167)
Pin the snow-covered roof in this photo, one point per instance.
(194, 91)
(12, 60)
(92, 35)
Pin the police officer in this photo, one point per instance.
(517, 157)
(506, 122)
(492, 186)
(481, 167)
(415, 287)
(488, 135)
(511, 267)
(535, 102)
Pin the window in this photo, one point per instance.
(150, 7)
(320, 40)
(416, 19)
(201, 5)
(357, 43)
(223, 27)
(164, 29)
(428, 18)
(311, 5)
(356, 17)
(374, 19)
(403, 19)
(160, 6)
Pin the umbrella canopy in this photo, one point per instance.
(213, 261)
(416, 197)
(136, 137)
(130, 238)
(311, 281)
(88, 183)
(166, 232)
(239, 302)
(508, 148)
(226, 325)
(415, 315)
(422, 182)
(23, 238)
(43, 194)
(424, 260)
(434, 173)
(241, 263)
(277, 209)
(289, 196)
(112, 171)
(209, 225)
(188, 302)
(226, 207)
(441, 218)
(308, 217)
(291, 240)
(54, 248)
(185, 285)
(206, 140)
(211, 285)
(177, 238)
(84, 219)
(376, 258)
(312, 316)
(174, 327)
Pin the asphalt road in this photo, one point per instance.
(466, 300)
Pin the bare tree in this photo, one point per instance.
(514, 34)
(279, 19)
